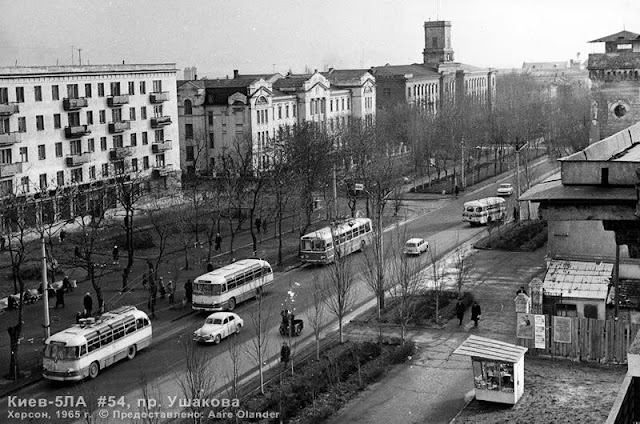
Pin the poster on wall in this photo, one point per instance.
(562, 329)
(540, 336)
(524, 326)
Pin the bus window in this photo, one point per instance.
(83, 350)
(140, 323)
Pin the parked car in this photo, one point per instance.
(415, 246)
(505, 189)
(217, 326)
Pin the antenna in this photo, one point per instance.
(79, 56)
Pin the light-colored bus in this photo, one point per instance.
(223, 288)
(95, 343)
(352, 235)
(484, 211)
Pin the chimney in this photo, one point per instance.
(235, 73)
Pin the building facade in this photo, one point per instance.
(615, 78)
(222, 114)
(80, 126)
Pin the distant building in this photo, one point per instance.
(435, 81)
(614, 74)
(190, 74)
(80, 126)
(555, 75)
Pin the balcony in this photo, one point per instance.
(74, 104)
(10, 139)
(159, 171)
(10, 169)
(115, 101)
(160, 121)
(77, 160)
(118, 127)
(9, 109)
(161, 146)
(76, 131)
(119, 153)
(159, 97)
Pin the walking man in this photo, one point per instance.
(88, 305)
(258, 223)
(170, 291)
(153, 293)
(188, 290)
(475, 313)
(116, 255)
(218, 241)
(460, 311)
(60, 297)
(63, 235)
(285, 353)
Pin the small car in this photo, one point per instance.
(415, 246)
(217, 326)
(505, 189)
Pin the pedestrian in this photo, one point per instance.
(3, 241)
(515, 213)
(218, 241)
(60, 297)
(66, 284)
(264, 227)
(258, 223)
(77, 253)
(209, 267)
(457, 190)
(63, 235)
(88, 305)
(460, 311)
(162, 288)
(188, 290)
(285, 353)
(153, 293)
(475, 313)
(116, 255)
(170, 291)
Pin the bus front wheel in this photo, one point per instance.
(232, 304)
(131, 352)
(94, 369)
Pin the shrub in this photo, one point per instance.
(400, 354)
(141, 240)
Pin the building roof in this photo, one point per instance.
(416, 69)
(618, 36)
(545, 66)
(619, 60)
(291, 81)
(575, 279)
(496, 350)
(17, 71)
(341, 77)
(553, 189)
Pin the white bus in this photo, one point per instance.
(223, 288)
(95, 343)
(484, 211)
(350, 236)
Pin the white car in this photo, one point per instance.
(415, 246)
(505, 189)
(217, 326)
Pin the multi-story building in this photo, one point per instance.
(217, 115)
(615, 81)
(80, 126)
(437, 80)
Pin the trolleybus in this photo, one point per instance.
(484, 211)
(319, 246)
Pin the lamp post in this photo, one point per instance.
(45, 289)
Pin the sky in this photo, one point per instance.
(263, 36)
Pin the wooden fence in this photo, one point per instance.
(590, 340)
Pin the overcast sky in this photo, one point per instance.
(218, 36)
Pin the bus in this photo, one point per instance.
(484, 211)
(350, 236)
(223, 288)
(93, 344)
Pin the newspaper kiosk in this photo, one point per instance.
(498, 368)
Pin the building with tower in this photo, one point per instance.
(615, 103)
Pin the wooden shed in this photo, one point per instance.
(498, 368)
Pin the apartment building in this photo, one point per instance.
(217, 115)
(80, 126)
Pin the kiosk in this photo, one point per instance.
(498, 368)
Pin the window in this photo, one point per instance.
(210, 118)
(294, 110)
(22, 124)
(55, 92)
(5, 156)
(40, 122)
(143, 113)
(103, 144)
(72, 91)
(145, 162)
(56, 121)
(43, 182)
(89, 117)
(24, 183)
(132, 113)
(59, 149)
(132, 88)
(159, 136)
(91, 145)
(190, 153)
(188, 131)
(145, 138)
(117, 141)
(41, 152)
(105, 170)
(187, 107)
(92, 172)
(143, 87)
(87, 91)
(157, 86)
(134, 139)
(116, 115)
(157, 111)
(211, 142)
(102, 116)
(24, 155)
(100, 89)
(4, 95)
(20, 94)
(76, 175)
(134, 164)
(75, 147)
(38, 93)
(60, 178)
(115, 88)
(5, 127)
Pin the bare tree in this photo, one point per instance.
(198, 380)
(437, 278)
(148, 405)
(260, 318)
(339, 289)
(316, 314)
(463, 267)
(161, 222)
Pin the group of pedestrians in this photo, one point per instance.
(476, 312)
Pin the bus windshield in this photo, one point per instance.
(313, 244)
(60, 351)
(207, 288)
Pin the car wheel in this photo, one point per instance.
(94, 370)
(131, 352)
(232, 304)
(217, 339)
(238, 329)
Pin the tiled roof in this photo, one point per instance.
(574, 279)
(291, 81)
(618, 36)
(491, 349)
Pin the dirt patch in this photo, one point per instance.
(525, 236)
(555, 391)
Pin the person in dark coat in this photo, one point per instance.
(66, 284)
(63, 235)
(60, 297)
(88, 304)
(77, 253)
(258, 224)
(475, 313)
(218, 241)
(209, 267)
(116, 255)
(285, 353)
(188, 290)
(460, 311)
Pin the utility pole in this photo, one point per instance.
(335, 193)
(45, 290)
(80, 57)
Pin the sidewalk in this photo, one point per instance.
(434, 385)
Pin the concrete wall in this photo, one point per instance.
(608, 94)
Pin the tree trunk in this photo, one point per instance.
(14, 343)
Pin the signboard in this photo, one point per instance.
(540, 336)
(524, 326)
(562, 329)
